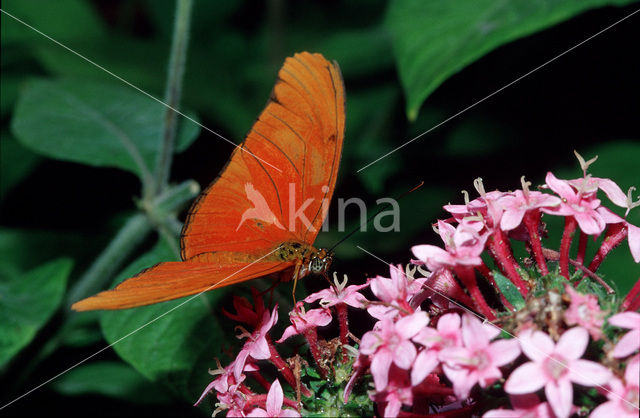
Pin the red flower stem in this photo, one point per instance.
(615, 234)
(468, 277)
(283, 367)
(582, 247)
(343, 321)
(258, 399)
(486, 273)
(531, 222)
(312, 339)
(565, 245)
(631, 302)
(258, 378)
(432, 389)
(501, 250)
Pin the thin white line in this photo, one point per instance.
(135, 87)
(497, 91)
(134, 331)
(485, 321)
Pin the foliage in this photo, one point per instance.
(79, 154)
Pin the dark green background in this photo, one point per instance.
(407, 65)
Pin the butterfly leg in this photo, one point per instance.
(296, 273)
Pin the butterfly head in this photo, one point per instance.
(320, 262)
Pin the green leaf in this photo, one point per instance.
(20, 249)
(27, 302)
(509, 290)
(95, 123)
(172, 342)
(369, 129)
(112, 379)
(16, 162)
(60, 19)
(435, 39)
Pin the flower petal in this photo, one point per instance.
(629, 343)
(462, 383)
(573, 343)
(613, 192)
(560, 397)
(634, 241)
(275, 397)
(588, 373)
(473, 333)
(380, 369)
(536, 345)
(561, 187)
(606, 410)
(260, 349)
(527, 378)
(504, 351)
(404, 355)
(410, 325)
(632, 372)
(426, 361)
(629, 320)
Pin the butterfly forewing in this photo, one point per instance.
(274, 190)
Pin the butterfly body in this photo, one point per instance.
(262, 214)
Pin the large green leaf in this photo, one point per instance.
(434, 39)
(27, 302)
(112, 379)
(16, 162)
(60, 19)
(175, 342)
(95, 123)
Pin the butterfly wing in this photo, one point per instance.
(290, 158)
(172, 280)
(275, 188)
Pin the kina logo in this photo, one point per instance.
(260, 210)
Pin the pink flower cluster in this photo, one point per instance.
(435, 348)
(487, 224)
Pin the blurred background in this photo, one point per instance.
(66, 191)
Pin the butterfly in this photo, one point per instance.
(262, 214)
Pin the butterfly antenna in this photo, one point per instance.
(379, 211)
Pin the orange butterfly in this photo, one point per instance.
(262, 214)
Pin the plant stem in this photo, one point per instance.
(565, 245)
(501, 250)
(173, 91)
(134, 231)
(615, 234)
(531, 222)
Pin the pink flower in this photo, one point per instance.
(555, 367)
(478, 360)
(302, 321)
(396, 290)
(585, 312)
(275, 398)
(516, 204)
(633, 232)
(623, 397)
(590, 185)
(446, 335)
(349, 295)
(581, 207)
(391, 343)
(397, 393)
(524, 406)
(630, 342)
(256, 345)
(463, 247)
